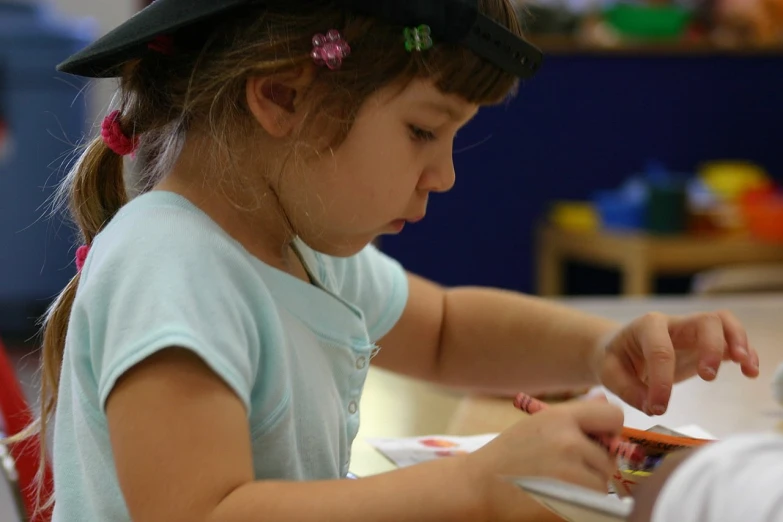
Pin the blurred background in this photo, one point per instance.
(644, 158)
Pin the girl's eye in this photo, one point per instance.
(419, 134)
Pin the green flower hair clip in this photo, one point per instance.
(418, 38)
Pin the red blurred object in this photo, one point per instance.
(17, 415)
(764, 215)
(760, 194)
(438, 443)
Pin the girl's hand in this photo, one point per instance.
(552, 443)
(641, 362)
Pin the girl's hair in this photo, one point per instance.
(200, 86)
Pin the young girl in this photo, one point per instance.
(207, 360)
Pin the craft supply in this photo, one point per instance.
(651, 462)
(616, 446)
(659, 443)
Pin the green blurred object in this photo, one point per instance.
(648, 21)
(666, 209)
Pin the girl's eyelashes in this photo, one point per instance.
(421, 135)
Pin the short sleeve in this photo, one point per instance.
(735, 479)
(161, 280)
(376, 284)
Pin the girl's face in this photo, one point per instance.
(398, 152)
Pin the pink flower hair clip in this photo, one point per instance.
(330, 50)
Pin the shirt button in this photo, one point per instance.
(352, 407)
(361, 362)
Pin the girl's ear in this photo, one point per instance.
(275, 101)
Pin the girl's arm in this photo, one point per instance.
(183, 453)
(493, 340)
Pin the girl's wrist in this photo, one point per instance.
(597, 353)
(477, 487)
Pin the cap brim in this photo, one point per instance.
(456, 21)
(102, 58)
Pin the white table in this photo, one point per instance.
(394, 406)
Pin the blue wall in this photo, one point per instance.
(45, 116)
(587, 122)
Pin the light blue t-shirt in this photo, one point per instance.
(163, 274)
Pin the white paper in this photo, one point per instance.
(414, 450)
(575, 503)
(408, 451)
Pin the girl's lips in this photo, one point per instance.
(397, 225)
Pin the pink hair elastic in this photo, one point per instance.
(330, 50)
(81, 256)
(115, 138)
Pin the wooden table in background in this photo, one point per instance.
(395, 406)
(640, 257)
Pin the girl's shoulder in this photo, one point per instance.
(160, 215)
(162, 239)
(161, 274)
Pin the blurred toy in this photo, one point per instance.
(764, 218)
(658, 20)
(574, 216)
(667, 206)
(730, 184)
(653, 200)
(702, 202)
(623, 209)
(549, 20)
(748, 23)
(729, 179)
